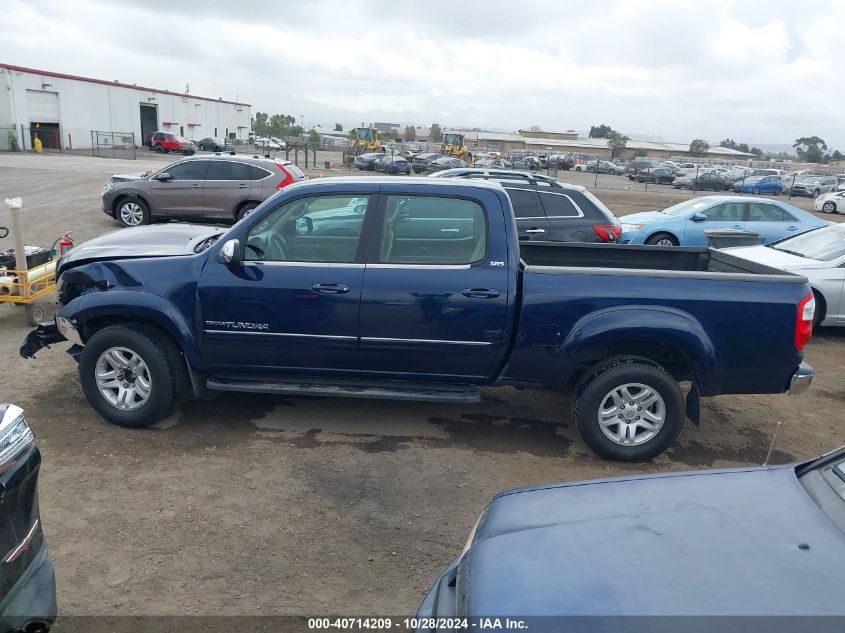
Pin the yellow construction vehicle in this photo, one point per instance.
(363, 140)
(453, 145)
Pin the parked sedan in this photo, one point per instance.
(393, 164)
(492, 163)
(814, 186)
(771, 185)
(367, 162)
(661, 176)
(602, 167)
(445, 162)
(27, 581)
(754, 541)
(817, 255)
(833, 202)
(420, 162)
(212, 144)
(708, 181)
(684, 224)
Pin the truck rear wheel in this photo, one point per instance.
(132, 375)
(629, 410)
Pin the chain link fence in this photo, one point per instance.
(113, 144)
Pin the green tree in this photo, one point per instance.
(810, 149)
(259, 123)
(338, 127)
(410, 133)
(313, 136)
(729, 143)
(837, 155)
(756, 151)
(699, 147)
(434, 133)
(617, 142)
(600, 131)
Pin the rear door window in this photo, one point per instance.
(762, 212)
(431, 230)
(228, 170)
(525, 203)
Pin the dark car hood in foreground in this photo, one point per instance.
(143, 241)
(719, 542)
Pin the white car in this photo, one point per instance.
(266, 143)
(833, 202)
(818, 255)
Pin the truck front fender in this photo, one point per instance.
(125, 305)
(640, 325)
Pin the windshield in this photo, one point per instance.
(825, 244)
(689, 206)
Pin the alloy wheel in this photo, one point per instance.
(123, 378)
(631, 414)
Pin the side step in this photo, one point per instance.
(381, 390)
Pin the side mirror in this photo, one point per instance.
(230, 253)
(698, 217)
(162, 176)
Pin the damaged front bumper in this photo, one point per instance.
(49, 332)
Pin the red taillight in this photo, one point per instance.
(804, 322)
(288, 177)
(608, 232)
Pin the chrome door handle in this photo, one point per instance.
(195, 186)
(535, 230)
(242, 186)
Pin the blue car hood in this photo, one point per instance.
(717, 542)
(645, 217)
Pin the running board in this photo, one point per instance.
(381, 390)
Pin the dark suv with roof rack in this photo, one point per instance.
(547, 210)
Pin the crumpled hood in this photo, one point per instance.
(160, 240)
(714, 543)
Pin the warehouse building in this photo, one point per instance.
(77, 113)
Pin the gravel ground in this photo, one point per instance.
(245, 504)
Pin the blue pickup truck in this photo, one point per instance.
(419, 289)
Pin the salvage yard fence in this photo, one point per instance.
(113, 144)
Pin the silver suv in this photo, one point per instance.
(220, 187)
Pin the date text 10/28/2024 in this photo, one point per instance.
(413, 624)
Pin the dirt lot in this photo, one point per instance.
(243, 504)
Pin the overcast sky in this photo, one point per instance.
(761, 72)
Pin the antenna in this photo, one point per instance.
(772, 445)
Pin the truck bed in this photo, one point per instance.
(679, 259)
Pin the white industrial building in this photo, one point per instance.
(70, 112)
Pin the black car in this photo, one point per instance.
(547, 210)
(633, 168)
(661, 176)
(27, 581)
(212, 144)
(702, 182)
(367, 162)
(755, 541)
(445, 162)
(420, 162)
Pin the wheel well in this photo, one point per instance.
(95, 324)
(821, 304)
(123, 197)
(242, 204)
(670, 358)
(667, 233)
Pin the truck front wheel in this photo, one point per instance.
(132, 375)
(629, 410)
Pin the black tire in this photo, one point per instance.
(816, 194)
(829, 207)
(756, 191)
(159, 149)
(653, 240)
(593, 390)
(245, 209)
(168, 379)
(123, 215)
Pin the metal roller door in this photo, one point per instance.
(42, 106)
